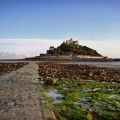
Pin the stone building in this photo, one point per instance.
(71, 41)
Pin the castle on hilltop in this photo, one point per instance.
(71, 50)
(73, 42)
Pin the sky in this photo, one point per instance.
(30, 26)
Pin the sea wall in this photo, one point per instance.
(70, 58)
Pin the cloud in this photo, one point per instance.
(28, 47)
(33, 47)
(106, 47)
(5, 55)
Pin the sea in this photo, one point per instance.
(98, 64)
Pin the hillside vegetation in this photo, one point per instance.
(72, 48)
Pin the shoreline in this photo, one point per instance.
(109, 64)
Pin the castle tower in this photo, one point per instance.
(71, 41)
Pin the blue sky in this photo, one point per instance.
(85, 20)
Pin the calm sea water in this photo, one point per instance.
(11, 61)
(99, 64)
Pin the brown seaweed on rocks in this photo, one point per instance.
(77, 72)
(8, 67)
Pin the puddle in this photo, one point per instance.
(92, 90)
(100, 103)
(108, 89)
(56, 96)
(114, 97)
(87, 106)
(84, 105)
(88, 90)
(119, 105)
(85, 99)
(56, 101)
(65, 88)
(90, 80)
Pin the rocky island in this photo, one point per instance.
(70, 50)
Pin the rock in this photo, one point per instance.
(96, 89)
(11, 104)
(77, 72)
(51, 81)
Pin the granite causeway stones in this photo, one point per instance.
(20, 98)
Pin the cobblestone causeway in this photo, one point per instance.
(19, 94)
